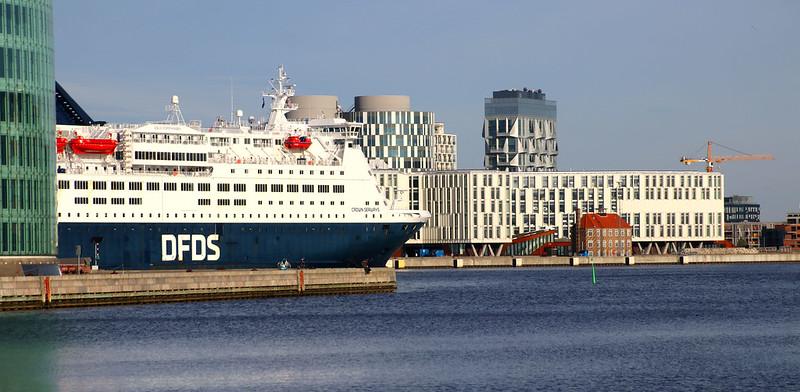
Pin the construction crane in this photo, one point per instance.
(710, 160)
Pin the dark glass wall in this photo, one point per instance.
(27, 124)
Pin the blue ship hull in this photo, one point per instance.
(141, 246)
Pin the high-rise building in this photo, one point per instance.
(519, 131)
(27, 130)
(741, 209)
(403, 139)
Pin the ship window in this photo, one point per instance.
(291, 171)
(152, 186)
(246, 171)
(223, 187)
(204, 202)
(311, 202)
(341, 203)
(308, 188)
(291, 202)
(277, 187)
(259, 203)
(63, 184)
(117, 186)
(331, 172)
(280, 202)
(269, 171)
(261, 187)
(239, 187)
(135, 200)
(233, 171)
(323, 188)
(204, 187)
(170, 186)
(99, 200)
(301, 172)
(117, 200)
(311, 172)
(81, 200)
(302, 202)
(135, 186)
(81, 185)
(259, 171)
(292, 188)
(99, 185)
(223, 202)
(187, 187)
(338, 189)
(341, 173)
(239, 202)
(280, 171)
(270, 202)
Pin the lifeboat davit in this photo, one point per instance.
(297, 142)
(61, 144)
(81, 145)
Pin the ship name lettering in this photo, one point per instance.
(366, 209)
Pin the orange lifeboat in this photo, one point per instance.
(297, 142)
(61, 144)
(81, 145)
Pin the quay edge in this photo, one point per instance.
(40, 292)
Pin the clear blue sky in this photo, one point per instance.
(638, 83)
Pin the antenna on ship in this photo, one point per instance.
(231, 85)
(281, 95)
(174, 115)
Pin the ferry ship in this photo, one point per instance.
(165, 195)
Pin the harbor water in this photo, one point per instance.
(697, 327)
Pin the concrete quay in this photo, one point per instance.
(37, 292)
(566, 261)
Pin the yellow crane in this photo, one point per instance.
(710, 160)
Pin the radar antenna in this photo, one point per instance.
(174, 115)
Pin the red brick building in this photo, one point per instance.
(792, 227)
(604, 235)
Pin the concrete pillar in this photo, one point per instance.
(684, 260)
(399, 263)
(574, 261)
(516, 262)
(458, 263)
(630, 260)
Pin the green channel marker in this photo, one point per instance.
(594, 277)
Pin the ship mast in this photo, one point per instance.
(281, 94)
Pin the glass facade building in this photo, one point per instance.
(519, 131)
(27, 124)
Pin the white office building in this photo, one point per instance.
(479, 212)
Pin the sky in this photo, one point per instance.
(639, 84)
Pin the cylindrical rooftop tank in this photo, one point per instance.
(313, 107)
(383, 103)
